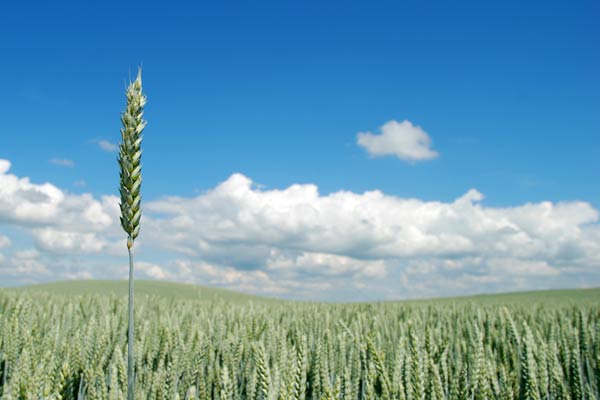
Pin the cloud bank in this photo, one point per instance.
(401, 139)
(297, 243)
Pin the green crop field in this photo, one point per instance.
(68, 341)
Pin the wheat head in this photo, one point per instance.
(129, 159)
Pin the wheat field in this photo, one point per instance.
(68, 341)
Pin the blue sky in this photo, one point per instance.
(508, 93)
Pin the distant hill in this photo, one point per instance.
(204, 293)
(554, 296)
(142, 288)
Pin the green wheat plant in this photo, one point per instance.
(129, 158)
(213, 345)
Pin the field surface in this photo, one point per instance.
(68, 341)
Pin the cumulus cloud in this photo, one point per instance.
(58, 221)
(324, 265)
(350, 237)
(27, 262)
(55, 240)
(4, 166)
(63, 162)
(152, 271)
(296, 242)
(404, 140)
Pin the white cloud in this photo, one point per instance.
(28, 254)
(106, 145)
(26, 262)
(4, 166)
(322, 264)
(45, 204)
(296, 242)
(153, 271)
(55, 240)
(249, 281)
(63, 162)
(4, 241)
(401, 139)
(58, 221)
(25, 202)
(345, 236)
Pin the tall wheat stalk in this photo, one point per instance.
(130, 189)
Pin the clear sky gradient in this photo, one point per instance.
(507, 91)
